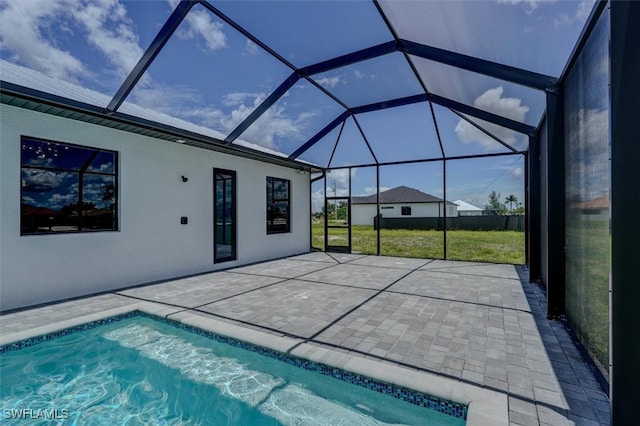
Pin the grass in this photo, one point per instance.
(477, 246)
(587, 284)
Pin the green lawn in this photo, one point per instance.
(587, 284)
(481, 246)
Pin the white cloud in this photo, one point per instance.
(329, 81)
(152, 95)
(200, 23)
(317, 200)
(338, 179)
(530, 5)
(42, 180)
(583, 10)
(581, 14)
(492, 101)
(238, 98)
(58, 200)
(119, 44)
(369, 190)
(516, 173)
(22, 35)
(104, 24)
(273, 123)
(338, 182)
(106, 167)
(251, 48)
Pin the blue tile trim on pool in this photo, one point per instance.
(416, 398)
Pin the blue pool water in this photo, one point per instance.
(142, 371)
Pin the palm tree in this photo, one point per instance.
(511, 199)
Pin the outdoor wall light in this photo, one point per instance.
(185, 179)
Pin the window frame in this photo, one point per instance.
(233, 255)
(80, 173)
(271, 227)
(405, 210)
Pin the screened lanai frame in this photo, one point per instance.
(324, 176)
(409, 50)
(405, 47)
(544, 164)
(401, 47)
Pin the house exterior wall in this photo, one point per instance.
(151, 244)
(363, 214)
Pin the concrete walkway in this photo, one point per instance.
(480, 324)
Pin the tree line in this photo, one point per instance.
(511, 206)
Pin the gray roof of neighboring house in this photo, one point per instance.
(400, 194)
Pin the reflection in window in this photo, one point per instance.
(67, 188)
(278, 205)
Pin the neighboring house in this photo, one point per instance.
(594, 209)
(466, 209)
(401, 201)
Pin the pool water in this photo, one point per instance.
(142, 371)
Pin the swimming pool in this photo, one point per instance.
(137, 368)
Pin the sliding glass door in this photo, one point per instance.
(224, 215)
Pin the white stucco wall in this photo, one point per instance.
(362, 214)
(151, 244)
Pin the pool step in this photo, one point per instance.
(295, 405)
(289, 403)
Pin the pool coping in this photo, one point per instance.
(485, 407)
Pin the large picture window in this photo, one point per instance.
(278, 205)
(67, 188)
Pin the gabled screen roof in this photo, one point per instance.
(327, 82)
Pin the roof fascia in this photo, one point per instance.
(89, 113)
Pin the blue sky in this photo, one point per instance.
(211, 75)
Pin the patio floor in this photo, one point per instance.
(481, 324)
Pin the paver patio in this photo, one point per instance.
(472, 322)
